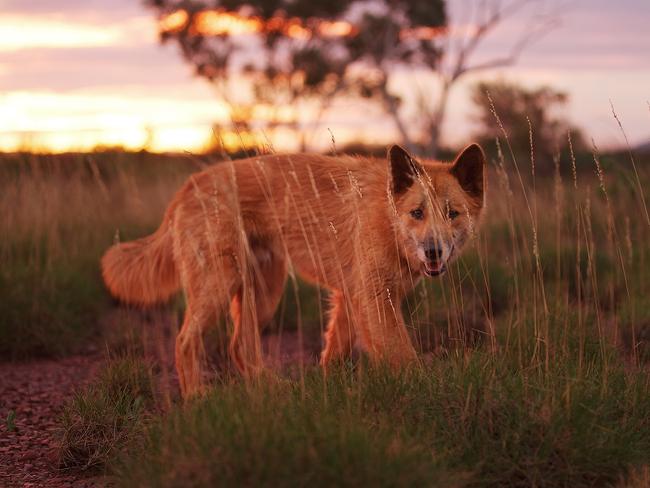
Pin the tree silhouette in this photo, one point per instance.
(297, 56)
(528, 116)
(294, 57)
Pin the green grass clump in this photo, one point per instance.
(465, 421)
(103, 418)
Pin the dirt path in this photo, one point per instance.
(35, 392)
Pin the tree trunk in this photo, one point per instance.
(435, 121)
(392, 107)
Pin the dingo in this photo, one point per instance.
(364, 229)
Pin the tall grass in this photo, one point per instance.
(59, 215)
(576, 267)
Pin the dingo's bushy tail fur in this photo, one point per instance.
(142, 272)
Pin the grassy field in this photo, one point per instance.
(60, 213)
(461, 421)
(535, 344)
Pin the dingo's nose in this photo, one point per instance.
(434, 253)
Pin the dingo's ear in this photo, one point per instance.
(403, 170)
(469, 170)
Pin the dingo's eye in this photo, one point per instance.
(417, 214)
(453, 214)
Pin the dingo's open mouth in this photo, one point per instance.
(433, 269)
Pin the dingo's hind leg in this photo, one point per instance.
(208, 292)
(253, 306)
(189, 353)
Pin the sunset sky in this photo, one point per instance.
(75, 74)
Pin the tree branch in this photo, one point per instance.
(498, 14)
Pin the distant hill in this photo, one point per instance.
(643, 148)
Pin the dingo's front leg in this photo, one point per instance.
(382, 330)
(340, 336)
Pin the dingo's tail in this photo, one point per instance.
(142, 272)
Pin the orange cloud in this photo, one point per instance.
(216, 22)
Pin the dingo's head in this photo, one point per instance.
(437, 205)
